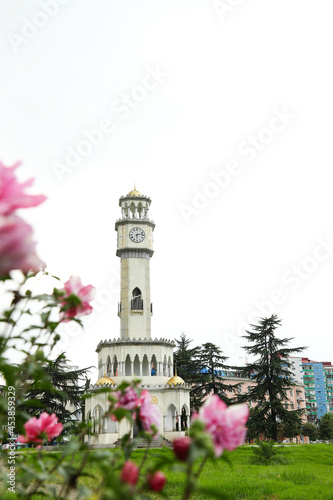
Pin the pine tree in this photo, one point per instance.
(185, 360)
(272, 376)
(59, 390)
(211, 381)
(187, 365)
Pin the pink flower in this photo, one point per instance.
(156, 481)
(181, 447)
(128, 400)
(12, 195)
(40, 429)
(17, 250)
(225, 425)
(148, 413)
(129, 473)
(76, 298)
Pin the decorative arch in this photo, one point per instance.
(128, 366)
(115, 366)
(108, 366)
(136, 365)
(132, 210)
(169, 367)
(140, 208)
(97, 414)
(171, 416)
(145, 366)
(185, 413)
(136, 301)
(153, 365)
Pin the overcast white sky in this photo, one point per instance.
(196, 90)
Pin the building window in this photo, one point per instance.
(136, 302)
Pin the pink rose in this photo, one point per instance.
(40, 429)
(225, 425)
(128, 400)
(148, 413)
(181, 447)
(17, 250)
(12, 195)
(75, 301)
(129, 473)
(156, 481)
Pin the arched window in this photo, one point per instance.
(115, 366)
(137, 302)
(128, 365)
(171, 418)
(169, 367)
(184, 415)
(165, 367)
(145, 366)
(98, 423)
(153, 365)
(136, 365)
(108, 366)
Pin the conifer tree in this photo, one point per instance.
(272, 376)
(212, 378)
(57, 390)
(185, 360)
(187, 365)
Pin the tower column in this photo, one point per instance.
(132, 368)
(140, 368)
(135, 248)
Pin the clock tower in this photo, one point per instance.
(135, 248)
(135, 354)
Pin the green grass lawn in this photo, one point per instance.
(307, 473)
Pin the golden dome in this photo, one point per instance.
(104, 381)
(175, 381)
(134, 192)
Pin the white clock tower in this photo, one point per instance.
(135, 248)
(135, 354)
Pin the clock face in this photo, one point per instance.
(137, 234)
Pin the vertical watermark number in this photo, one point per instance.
(11, 453)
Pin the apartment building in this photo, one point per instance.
(318, 393)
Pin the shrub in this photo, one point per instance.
(266, 453)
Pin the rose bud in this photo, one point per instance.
(156, 481)
(181, 448)
(130, 473)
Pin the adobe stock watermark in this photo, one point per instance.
(122, 107)
(11, 449)
(31, 27)
(292, 280)
(247, 149)
(104, 298)
(224, 7)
